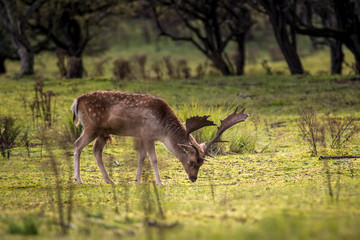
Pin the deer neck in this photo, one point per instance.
(176, 134)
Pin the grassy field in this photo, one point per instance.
(266, 183)
(273, 188)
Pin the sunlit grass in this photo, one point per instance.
(263, 184)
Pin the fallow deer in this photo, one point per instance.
(148, 119)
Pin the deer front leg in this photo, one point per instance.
(98, 150)
(79, 145)
(150, 149)
(142, 156)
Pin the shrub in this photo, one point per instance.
(311, 128)
(141, 60)
(43, 105)
(317, 130)
(182, 69)
(71, 132)
(157, 67)
(341, 129)
(28, 226)
(8, 134)
(122, 70)
(26, 141)
(242, 140)
(99, 66)
(201, 69)
(169, 66)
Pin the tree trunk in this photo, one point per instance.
(2, 65)
(346, 15)
(354, 47)
(27, 62)
(75, 67)
(275, 11)
(220, 64)
(337, 57)
(289, 51)
(26, 58)
(240, 57)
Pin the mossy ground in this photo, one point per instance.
(276, 190)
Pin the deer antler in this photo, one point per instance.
(229, 121)
(194, 123)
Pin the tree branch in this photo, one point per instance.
(321, 32)
(28, 13)
(175, 38)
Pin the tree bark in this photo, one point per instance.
(220, 63)
(347, 19)
(275, 11)
(15, 23)
(337, 57)
(289, 51)
(353, 43)
(240, 56)
(26, 59)
(75, 67)
(2, 65)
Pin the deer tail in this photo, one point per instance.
(74, 108)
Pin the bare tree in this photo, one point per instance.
(71, 25)
(285, 34)
(14, 17)
(209, 26)
(343, 29)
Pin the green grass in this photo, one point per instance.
(274, 189)
(264, 185)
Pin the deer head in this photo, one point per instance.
(195, 153)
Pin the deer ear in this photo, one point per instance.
(186, 148)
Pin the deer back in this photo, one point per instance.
(126, 114)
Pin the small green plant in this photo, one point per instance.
(71, 132)
(29, 225)
(242, 141)
(9, 131)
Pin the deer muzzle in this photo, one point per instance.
(193, 179)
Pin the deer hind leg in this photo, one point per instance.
(98, 150)
(150, 149)
(142, 156)
(79, 145)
